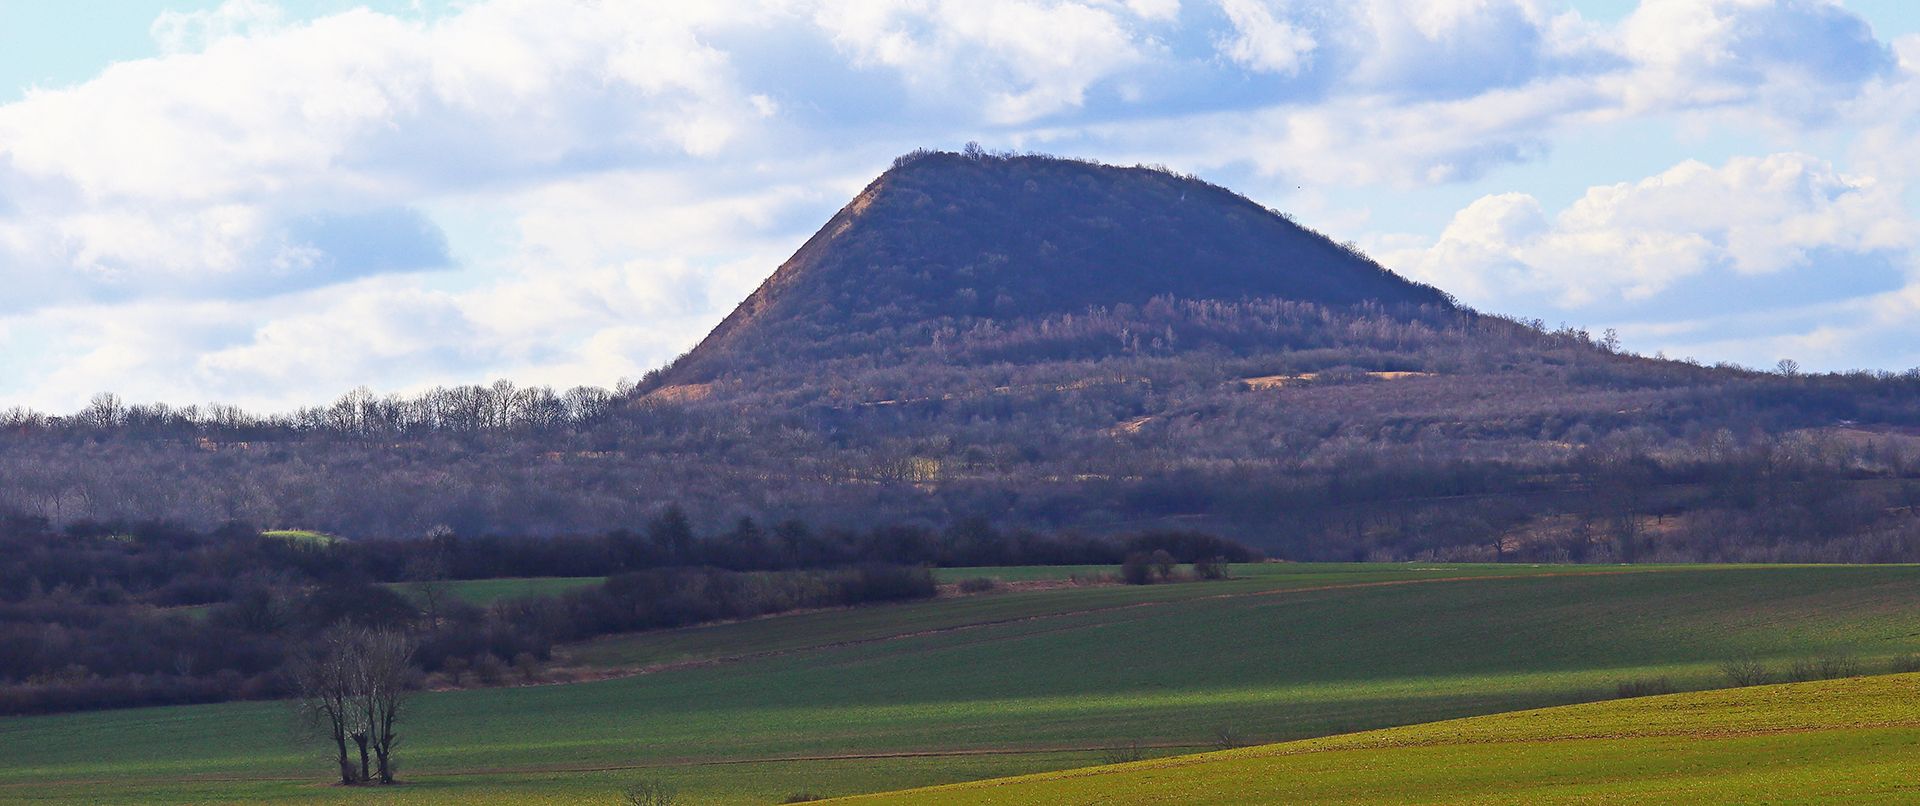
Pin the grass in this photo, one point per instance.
(488, 591)
(1847, 741)
(1025, 573)
(302, 537)
(801, 631)
(978, 686)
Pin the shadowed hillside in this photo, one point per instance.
(948, 240)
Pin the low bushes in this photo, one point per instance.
(1142, 568)
(1825, 667)
(1750, 671)
(1644, 687)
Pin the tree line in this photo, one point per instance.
(500, 406)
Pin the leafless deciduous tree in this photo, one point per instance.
(354, 686)
(427, 580)
(326, 700)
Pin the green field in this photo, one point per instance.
(1851, 741)
(878, 698)
(302, 537)
(1022, 573)
(488, 591)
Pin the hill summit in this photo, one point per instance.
(955, 237)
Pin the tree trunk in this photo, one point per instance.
(346, 764)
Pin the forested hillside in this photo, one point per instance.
(1242, 376)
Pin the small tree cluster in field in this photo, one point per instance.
(1746, 670)
(1142, 568)
(1124, 754)
(1826, 667)
(1148, 568)
(353, 685)
(1644, 687)
(652, 792)
(802, 797)
(1903, 664)
(1750, 671)
(1212, 569)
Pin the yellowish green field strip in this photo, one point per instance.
(1847, 741)
(302, 537)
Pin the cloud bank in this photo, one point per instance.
(565, 192)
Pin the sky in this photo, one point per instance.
(269, 204)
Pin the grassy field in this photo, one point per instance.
(1846, 741)
(1022, 573)
(867, 699)
(799, 631)
(302, 537)
(488, 591)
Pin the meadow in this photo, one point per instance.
(1838, 741)
(868, 699)
(302, 537)
(488, 591)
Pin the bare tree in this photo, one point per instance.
(386, 672)
(326, 695)
(427, 579)
(353, 687)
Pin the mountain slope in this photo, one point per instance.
(946, 238)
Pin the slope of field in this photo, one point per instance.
(869, 699)
(1843, 741)
(800, 631)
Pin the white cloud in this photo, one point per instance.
(1633, 241)
(1263, 43)
(282, 185)
(1689, 251)
(1024, 59)
(178, 32)
(1793, 61)
(1433, 49)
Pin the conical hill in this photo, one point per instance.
(957, 237)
